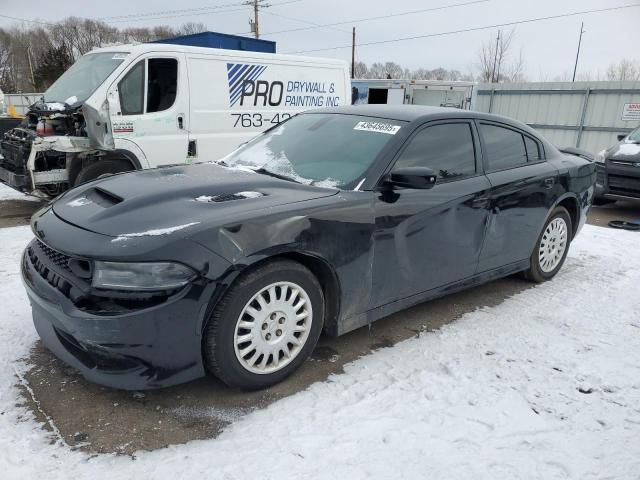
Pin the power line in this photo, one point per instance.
(168, 12)
(189, 13)
(318, 25)
(380, 17)
(474, 29)
(25, 20)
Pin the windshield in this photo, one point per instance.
(634, 137)
(320, 149)
(81, 80)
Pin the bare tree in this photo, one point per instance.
(624, 70)
(493, 59)
(190, 28)
(361, 70)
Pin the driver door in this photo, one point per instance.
(425, 239)
(148, 105)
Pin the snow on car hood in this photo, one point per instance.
(176, 201)
(625, 151)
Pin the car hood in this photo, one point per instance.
(176, 201)
(625, 152)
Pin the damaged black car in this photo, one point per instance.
(325, 223)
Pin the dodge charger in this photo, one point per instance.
(324, 223)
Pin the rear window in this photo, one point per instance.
(504, 148)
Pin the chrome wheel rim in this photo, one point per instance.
(273, 327)
(553, 245)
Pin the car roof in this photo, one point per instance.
(422, 113)
(410, 113)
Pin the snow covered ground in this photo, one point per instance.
(545, 385)
(8, 193)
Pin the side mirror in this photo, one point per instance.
(412, 177)
(622, 136)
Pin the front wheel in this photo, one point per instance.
(552, 246)
(101, 169)
(265, 326)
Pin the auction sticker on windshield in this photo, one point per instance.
(377, 127)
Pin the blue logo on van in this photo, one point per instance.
(239, 75)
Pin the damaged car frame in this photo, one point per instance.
(326, 222)
(133, 107)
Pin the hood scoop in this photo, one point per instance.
(228, 197)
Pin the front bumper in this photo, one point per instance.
(618, 180)
(150, 348)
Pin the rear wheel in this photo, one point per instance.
(265, 326)
(101, 169)
(552, 246)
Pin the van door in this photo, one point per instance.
(148, 105)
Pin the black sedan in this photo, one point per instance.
(327, 222)
(618, 170)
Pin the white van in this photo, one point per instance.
(143, 106)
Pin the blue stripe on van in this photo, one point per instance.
(237, 73)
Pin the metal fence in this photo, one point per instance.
(587, 115)
(21, 101)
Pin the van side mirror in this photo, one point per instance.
(622, 136)
(412, 177)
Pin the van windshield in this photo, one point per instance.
(83, 78)
(331, 150)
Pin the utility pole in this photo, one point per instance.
(33, 78)
(255, 23)
(353, 54)
(575, 68)
(495, 59)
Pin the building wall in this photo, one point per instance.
(587, 115)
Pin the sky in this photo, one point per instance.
(548, 47)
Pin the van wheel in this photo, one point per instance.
(551, 248)
(100, 169)
(265, 327)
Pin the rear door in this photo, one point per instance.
(429, 238)
(148, 106)
(524, 186)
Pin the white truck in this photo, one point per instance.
(151, 105)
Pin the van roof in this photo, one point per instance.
(141, 48)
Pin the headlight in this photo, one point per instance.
(141, 276)
(599, 158)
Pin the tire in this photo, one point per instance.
(102, 168)
(229, 358)
(547, 258)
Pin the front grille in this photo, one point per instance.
(621, 185)
(57, 258)
(36, 252)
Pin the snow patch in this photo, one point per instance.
(544, 385)
(153, 233)
(8, 193)
(628, 149)
(79, 202)
(215, 198)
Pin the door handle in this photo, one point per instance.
(180, 122)
(549, 182)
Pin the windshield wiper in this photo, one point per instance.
(264, 171)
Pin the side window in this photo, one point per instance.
(504, 147)
(533, 150)
(446, 148)
(131, 91)
(162, 83)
